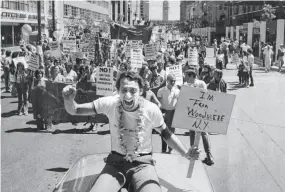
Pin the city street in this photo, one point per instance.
(251, 157)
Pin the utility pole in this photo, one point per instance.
(53, 18)
(39, 21)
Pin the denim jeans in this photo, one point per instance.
(205, 139)
(22, 90)
(139, 175)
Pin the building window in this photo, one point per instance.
(82, 11)
(65, 12)
(74, 11)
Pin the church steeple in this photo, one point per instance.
(165, 10)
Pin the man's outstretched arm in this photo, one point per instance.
(73, 108)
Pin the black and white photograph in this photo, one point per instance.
(142, 96)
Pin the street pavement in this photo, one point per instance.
(251, 157)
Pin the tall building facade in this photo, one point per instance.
(15, 14)
(144, 6)
(67, 11)
(165, 10)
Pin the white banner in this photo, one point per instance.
(104, 82)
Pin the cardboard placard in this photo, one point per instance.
(104, 82)
(55, 49)
(192, 56)
(203, 110)
(136, 58)
(150, 51)
(33, 63)
(22, 60)
(177, 71)
(69, 44)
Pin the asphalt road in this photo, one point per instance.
(249, 158)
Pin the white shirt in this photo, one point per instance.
(197, 83)
(152, 118)
(168, 97)
(71, 76)
(250, 60)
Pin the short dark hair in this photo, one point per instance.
(15, 54)
(132, 76)
(191, 72)
(8, 53)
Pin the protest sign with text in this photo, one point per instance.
(136, 58)
(55, 49)
(104, 82)
(69, 44)
(192, 56)
(22, 60)
(150, 51)
(177, 71)
(33, 63)
(202, 111)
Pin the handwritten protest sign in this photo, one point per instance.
(177, 71)
(202, 111)
(136, 44)
(136, 58)
(69, 44)
(33, 63)
(22, 60)
(104, 83)
(150, 51)
(192, 56)
(88, 49)
(55, 49)
(128, 50)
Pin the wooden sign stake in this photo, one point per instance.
(192, 162)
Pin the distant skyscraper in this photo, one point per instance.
(165, 11)
(144, 9)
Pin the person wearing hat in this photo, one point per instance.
(192, 81)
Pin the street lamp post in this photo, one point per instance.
(53, 17)
(39, 21)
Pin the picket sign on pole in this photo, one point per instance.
(202, 110)
(192, 161)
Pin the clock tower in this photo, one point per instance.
(165, 10)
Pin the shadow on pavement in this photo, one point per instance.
(14, 102)
(7, 97)
(9, 114)
(58, 169)
(74, 131)
(33, 122)
(103, 132)
(26, 130)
